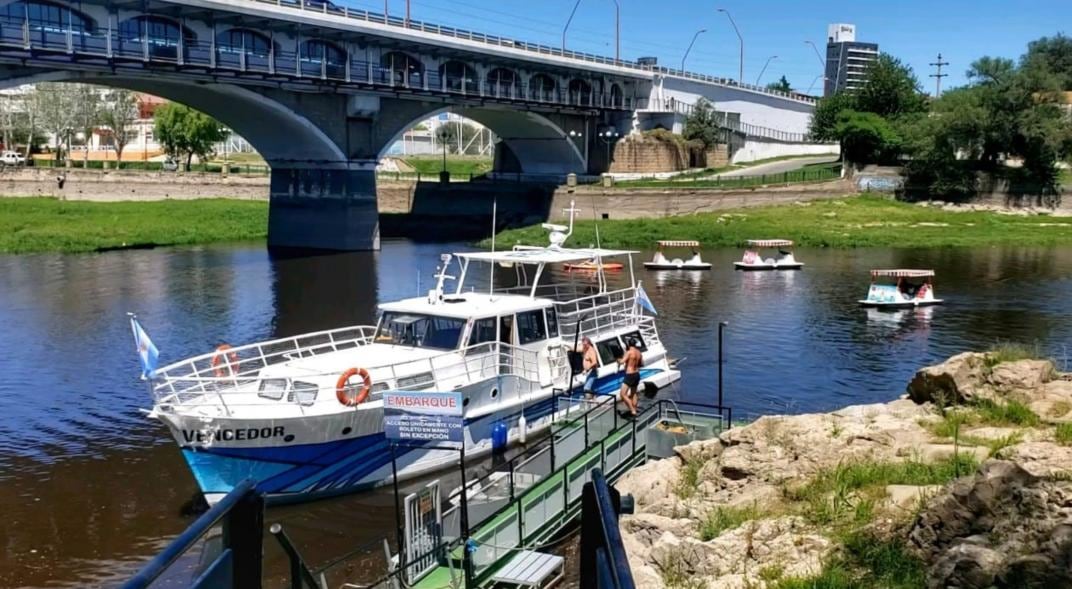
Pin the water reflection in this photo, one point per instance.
(86, 481)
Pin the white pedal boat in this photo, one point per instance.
(900, 289)
(754, 260)
(660, 262)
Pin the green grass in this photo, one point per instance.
(1011, 412)
(724, 519)
(1011, 352)
(853, 476)
(457, 165)
(863, 221)
(1063, 433)
(866, 562)
(821, 173)
(47, 224)
(689, 481)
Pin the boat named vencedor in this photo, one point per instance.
(303, 416)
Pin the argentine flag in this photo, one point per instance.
(147, 352)
(643, 300)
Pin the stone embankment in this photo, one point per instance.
(963, 482)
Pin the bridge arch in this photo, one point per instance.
(542, 87)
(580, 92)
(459, 76)
(538, 142)
(46, 19)
(162, 35)
(323, 57)
(504, 82)
(403, 68)
(616, 98)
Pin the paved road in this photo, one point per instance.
(781, 166)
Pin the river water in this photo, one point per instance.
(89, 487)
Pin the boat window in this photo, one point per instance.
(483, 332)
(609, 351)
(303, 392)
(420, 331)
(639, 340)
(273, 388)
(530, 327)
(552, 322)
(416, 382)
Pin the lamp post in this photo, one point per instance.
(762, 71)
(817, 55)
(814, 81)
(617, 31)
(721, 331)
(740, 77)
(691, 43)
(568, 21)
(609, 136)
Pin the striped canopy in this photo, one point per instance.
(678, 243)
(769, 242)
(903, 273)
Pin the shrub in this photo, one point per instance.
(1064, 434)
(1011, 412)
(723, 519)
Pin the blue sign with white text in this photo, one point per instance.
(423, 417)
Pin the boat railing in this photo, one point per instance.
(598, 313)
(216, 387)
(553, 291)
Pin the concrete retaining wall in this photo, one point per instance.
(637, 154)
(112, 185)
(639, 203)
(761, 149)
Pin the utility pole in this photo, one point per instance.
(939, 75)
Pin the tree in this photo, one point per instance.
(87, 102)
(824, 119)
(866, 137)
(1052, 55)
(56, 109)
(185, 132)
(891, 89)
(119, 112)
(702, 125)
(781, 85)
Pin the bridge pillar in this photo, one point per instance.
(327, 209)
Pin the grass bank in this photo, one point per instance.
(48, 224)
(457, 165)
(862, 221)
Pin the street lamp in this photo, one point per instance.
(568, 21)
(762, 71)
(617, 30)
(817, 55)
(816, 80)
(740, 77)
(609, 136)
(721, 331)
(690, 48)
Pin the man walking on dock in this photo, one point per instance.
(632, 361)
(590, 362)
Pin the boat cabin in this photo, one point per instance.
(901, 288)
(660, 262)
(754, 260)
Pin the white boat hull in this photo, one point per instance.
(659, 266)
(900, 304)
(775, 266)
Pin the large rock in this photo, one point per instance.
(997, 528)
(1022, 374)
(958, 379)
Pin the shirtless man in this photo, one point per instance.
(590, 362)
(632, 361)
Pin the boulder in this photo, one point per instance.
(1022, 374)
(966, 566)
(650, 482)
(958, 379)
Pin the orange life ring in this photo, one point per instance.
(217, 360)
(344, 379)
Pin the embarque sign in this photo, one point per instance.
(423, 417)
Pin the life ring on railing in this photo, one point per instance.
(344, 379)
(218, 359)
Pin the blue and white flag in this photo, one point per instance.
(147, 352)
(643, 300)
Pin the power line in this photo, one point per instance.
(939, 75)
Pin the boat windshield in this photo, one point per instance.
(420, 331)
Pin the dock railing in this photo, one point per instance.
(238, 564)
(604, 564)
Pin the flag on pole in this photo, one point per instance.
(643, 300)
(147, 352)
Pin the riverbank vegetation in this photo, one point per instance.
(47, 224)
(457, 165)
(1009, 124)
(861, 221)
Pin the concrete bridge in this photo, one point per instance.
(321, 91)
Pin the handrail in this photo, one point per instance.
(241, 510)
(604, 563)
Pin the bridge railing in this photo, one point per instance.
(726, 122)
(436, 29)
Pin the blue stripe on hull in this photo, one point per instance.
(310, 470)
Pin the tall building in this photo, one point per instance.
(847, 59)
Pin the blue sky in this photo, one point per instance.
(913, 30)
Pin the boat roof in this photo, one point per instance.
(468, 304)
(903, 273)
(543, 255)
(678, 243)
(770, 242)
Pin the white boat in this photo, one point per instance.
(900, 289)
(754, 260)
(659, 261)
(303, 416)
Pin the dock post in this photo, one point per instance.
(467, 557)
(243, 533)
(721, 330)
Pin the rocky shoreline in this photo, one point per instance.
(965, 481)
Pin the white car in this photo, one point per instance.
(12, 158)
